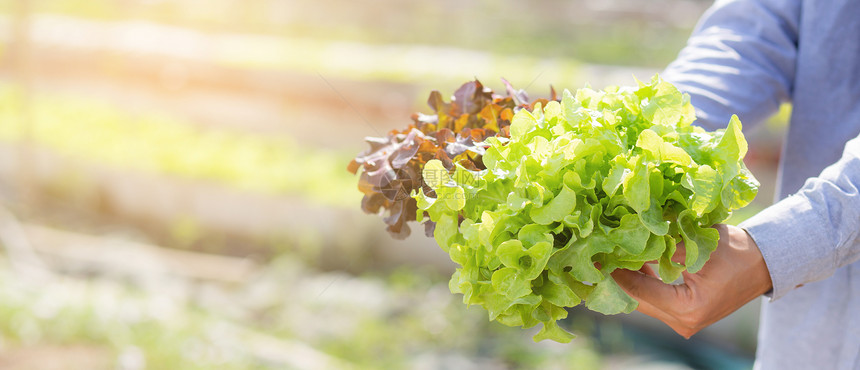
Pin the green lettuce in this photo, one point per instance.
(599, 181)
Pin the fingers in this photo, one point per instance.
(647, 270)
(735, 274)
(656, 298)
(650, 289)
(680, 255)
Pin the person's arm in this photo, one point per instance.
(810, 234)
(739, 60)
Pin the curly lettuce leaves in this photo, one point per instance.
(391, 168)
(599, 181)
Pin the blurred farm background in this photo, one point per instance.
(175, 196)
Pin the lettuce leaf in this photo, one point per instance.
(391, 169)
(598, 181)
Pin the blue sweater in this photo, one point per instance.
(747, 57)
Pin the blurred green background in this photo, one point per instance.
(175, 196)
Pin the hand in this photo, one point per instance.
(734, 275)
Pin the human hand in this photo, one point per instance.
(734, 275)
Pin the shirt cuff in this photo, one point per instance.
(790, 236)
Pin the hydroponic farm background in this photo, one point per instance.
(174, 192)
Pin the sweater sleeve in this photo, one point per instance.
(808, 235)
(739, 60)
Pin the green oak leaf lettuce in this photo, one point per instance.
(599, 181)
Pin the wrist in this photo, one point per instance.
(759, 274)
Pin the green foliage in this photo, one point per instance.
(167, 332)
(599, 181)
(92, 131)
(398, 320)
(545, 30)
